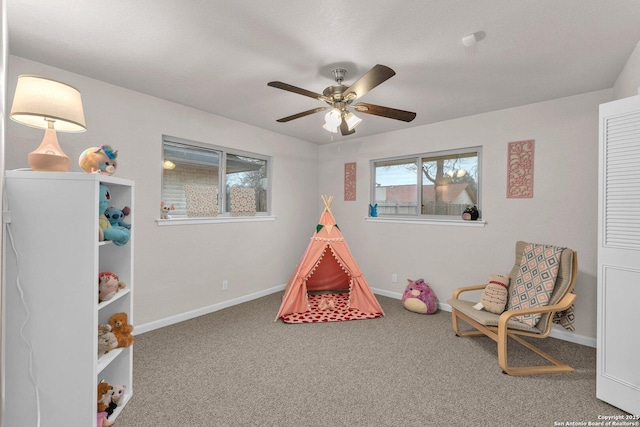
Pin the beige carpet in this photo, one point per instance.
(236, 367)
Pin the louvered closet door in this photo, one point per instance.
(618, 328)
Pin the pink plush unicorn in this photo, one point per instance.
(101, 159)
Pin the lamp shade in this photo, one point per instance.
(41, 102)
(352, 120)
(333, 118)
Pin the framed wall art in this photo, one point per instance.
(520, 169)
(350, 182)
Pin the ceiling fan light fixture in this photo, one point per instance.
(340, 97)
(332, 129)
(333, 118)
(352, 120)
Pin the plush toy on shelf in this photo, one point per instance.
(118, 234)
(121, 329)
(104, 398)
(104, 395)
(103, 421)
(108, 285)
(107, 340)
(419, 297)
(118, 394)
(99, 160)
(165, 209)
(117, 398)
(116, 216)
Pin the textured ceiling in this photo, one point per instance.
(218, 56)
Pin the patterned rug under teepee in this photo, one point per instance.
(340, 313)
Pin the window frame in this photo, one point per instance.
(418, 160)
(223, 210)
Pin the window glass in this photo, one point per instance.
(238, 181)
(449, 182)
(395, 187)
(250, 173)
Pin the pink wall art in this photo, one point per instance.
(350, 182)
(520, 169)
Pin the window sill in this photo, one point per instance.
(428, 221)
(213, 220)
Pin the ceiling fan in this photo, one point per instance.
(341, 97)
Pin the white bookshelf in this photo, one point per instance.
(54, 225)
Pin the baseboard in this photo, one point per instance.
(157, 324)
(562, 334)
(557, 332)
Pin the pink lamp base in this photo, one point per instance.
(49, 162)
(49, 156)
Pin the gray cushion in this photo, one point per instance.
(486, 318)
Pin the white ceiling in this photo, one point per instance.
(218, 56)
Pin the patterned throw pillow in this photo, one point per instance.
(202, 200)
(535, 280)
(495, 295)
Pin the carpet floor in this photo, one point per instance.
(236, 367)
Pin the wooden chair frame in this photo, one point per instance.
(502, 332)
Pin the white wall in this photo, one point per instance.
(628, 82)
(179, 269)
(4, 53)
(170, 283)
(562, 212)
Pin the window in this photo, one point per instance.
(450, 182)
(234, 183)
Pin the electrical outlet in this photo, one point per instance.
(394, 278)
(225, 285)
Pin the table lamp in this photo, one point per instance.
(48, 104)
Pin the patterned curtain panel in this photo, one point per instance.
(243, 201)
(202, 200)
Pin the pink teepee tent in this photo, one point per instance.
(327, 265)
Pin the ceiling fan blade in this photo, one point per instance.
(391, 113)
(304, 113)
(344, 128)
(299, 91)
(371, 79)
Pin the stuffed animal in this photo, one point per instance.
(419, 297)
(102, 420)
(121, 329)
(104, 396)
(99, 160)
(326, 303)
(105, 393)
(117, 398)
(116, 216)
(165, 209)
(108, 285)
(471, 213)
(495, 294)
(107, 340)
(117, 234)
